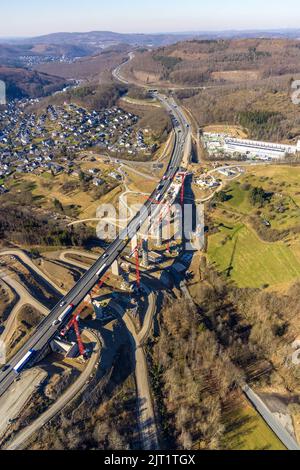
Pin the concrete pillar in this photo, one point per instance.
(134, 242)
(187, 150)
(201, 226)
(178, 229)
(197, 238)
(167, 229)
(159, 234)
(145, 253)
(115, 268)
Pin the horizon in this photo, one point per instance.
(30, 19)
(158, 33)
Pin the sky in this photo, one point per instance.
(37, 17)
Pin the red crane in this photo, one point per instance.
(74, 323)
(183, 176)
(81, 347)
(99, 285)
(102, 281)
(74, 320)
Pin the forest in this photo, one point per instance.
(203, 354)
(22, 226)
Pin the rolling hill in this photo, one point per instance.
(15, 54)
(197, 63)
(100, 39)
(87, 67)
(104, 38)
(21, 83)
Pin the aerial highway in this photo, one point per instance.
(19, 441)
(61, 313)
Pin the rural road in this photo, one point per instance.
(147, 425)
(270, 419)
(121, 222)
(19, 442)
(117, 75)
(12, 404)
(23, 257)
(24, 298)
(165, 152)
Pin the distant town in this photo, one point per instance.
(33, 60)
(31, 143)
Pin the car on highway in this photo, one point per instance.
(44, 333)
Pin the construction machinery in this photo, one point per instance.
(74, 322)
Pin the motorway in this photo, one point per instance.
(146, 415)
(20, 440)
(50, 326)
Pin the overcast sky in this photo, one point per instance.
(35, 17)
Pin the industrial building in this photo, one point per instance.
(223, 145)
(259, 149)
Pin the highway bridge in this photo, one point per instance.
(61, 313)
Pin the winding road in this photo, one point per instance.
(20, 441)
(23, 298)
(147, 426)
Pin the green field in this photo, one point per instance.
(239, 199)
(241, 256)
(235, 248)
(246, 430)
(286, 200)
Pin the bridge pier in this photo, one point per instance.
(134, 243)
(178, 229)
(42, 353)
(145, 253)
(159, 240)
(115, 268)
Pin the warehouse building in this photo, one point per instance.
(264, 150)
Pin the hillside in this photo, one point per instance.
(245, 82)
(196, 63)
(87, 67)
(265, 111)
(101, 39)
(21, 83)
(18, 54)
(90, 96)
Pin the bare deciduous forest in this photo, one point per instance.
(245, 82)
(202, 355)
(22, 226)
